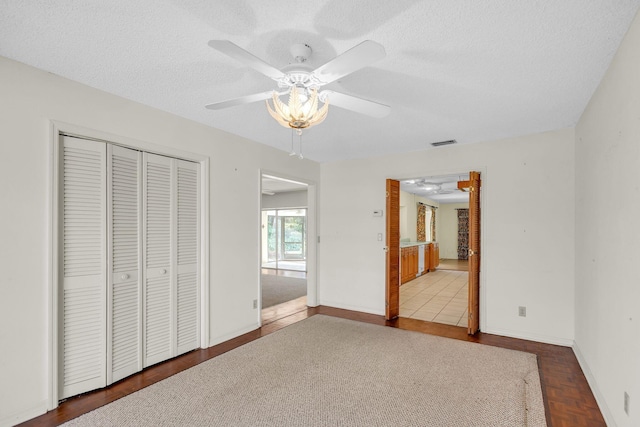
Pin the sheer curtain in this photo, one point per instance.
(426, 223)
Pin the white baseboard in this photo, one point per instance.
(602, 404)
(531, 337)
(24, 415)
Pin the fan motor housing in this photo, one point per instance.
(301, 52)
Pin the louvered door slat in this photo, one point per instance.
(157, 258)
(83, 267)
(158, 320)
(125, 334)
(187, 312)
(187, 327)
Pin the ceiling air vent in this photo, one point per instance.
(449, 142)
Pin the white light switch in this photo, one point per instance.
(379, 237)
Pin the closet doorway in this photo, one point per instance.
(129, 236)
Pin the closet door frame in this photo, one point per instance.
(57, 130)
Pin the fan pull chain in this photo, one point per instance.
(300, 145)
(292, 152)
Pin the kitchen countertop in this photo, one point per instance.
(409, 244)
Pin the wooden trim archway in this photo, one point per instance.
(392, 279)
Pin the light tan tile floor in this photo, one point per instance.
(439, 296)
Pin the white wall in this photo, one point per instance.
(289, 199)
(406, 199)
(30, 98)
(447, 236)
(527, 230)
(607, 235)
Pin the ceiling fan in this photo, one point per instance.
(302, 84)
(434, 188)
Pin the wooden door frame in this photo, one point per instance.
(392, 232)
(481, 281)
(473, 186)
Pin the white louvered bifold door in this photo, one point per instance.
(188, 253)
(158, 317)
(82, 267)
(124, 290)
(129, 265)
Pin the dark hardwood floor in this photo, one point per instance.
(278, 311)
(568, 398)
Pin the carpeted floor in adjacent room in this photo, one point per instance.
(277, 289)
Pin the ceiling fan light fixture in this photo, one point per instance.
(429, 187)
(297, 113)
(306, 106)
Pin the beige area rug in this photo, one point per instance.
(326, 371)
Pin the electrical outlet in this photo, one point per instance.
(255, 303)
(626, 403)
(522, 311)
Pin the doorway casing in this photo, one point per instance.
(391, 286)
(312, 234)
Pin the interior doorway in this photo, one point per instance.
(442, 293)
(287, 254)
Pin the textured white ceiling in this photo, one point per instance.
(465, 69)
(449, 188)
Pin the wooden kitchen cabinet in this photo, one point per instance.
(408, 263)
(427, 258)
(404, 265)
(413, 262)
(434, 258)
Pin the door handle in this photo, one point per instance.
(472, 252)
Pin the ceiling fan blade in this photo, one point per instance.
(239, 101)
(357, 57)
(236, 52)
(359, 105)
